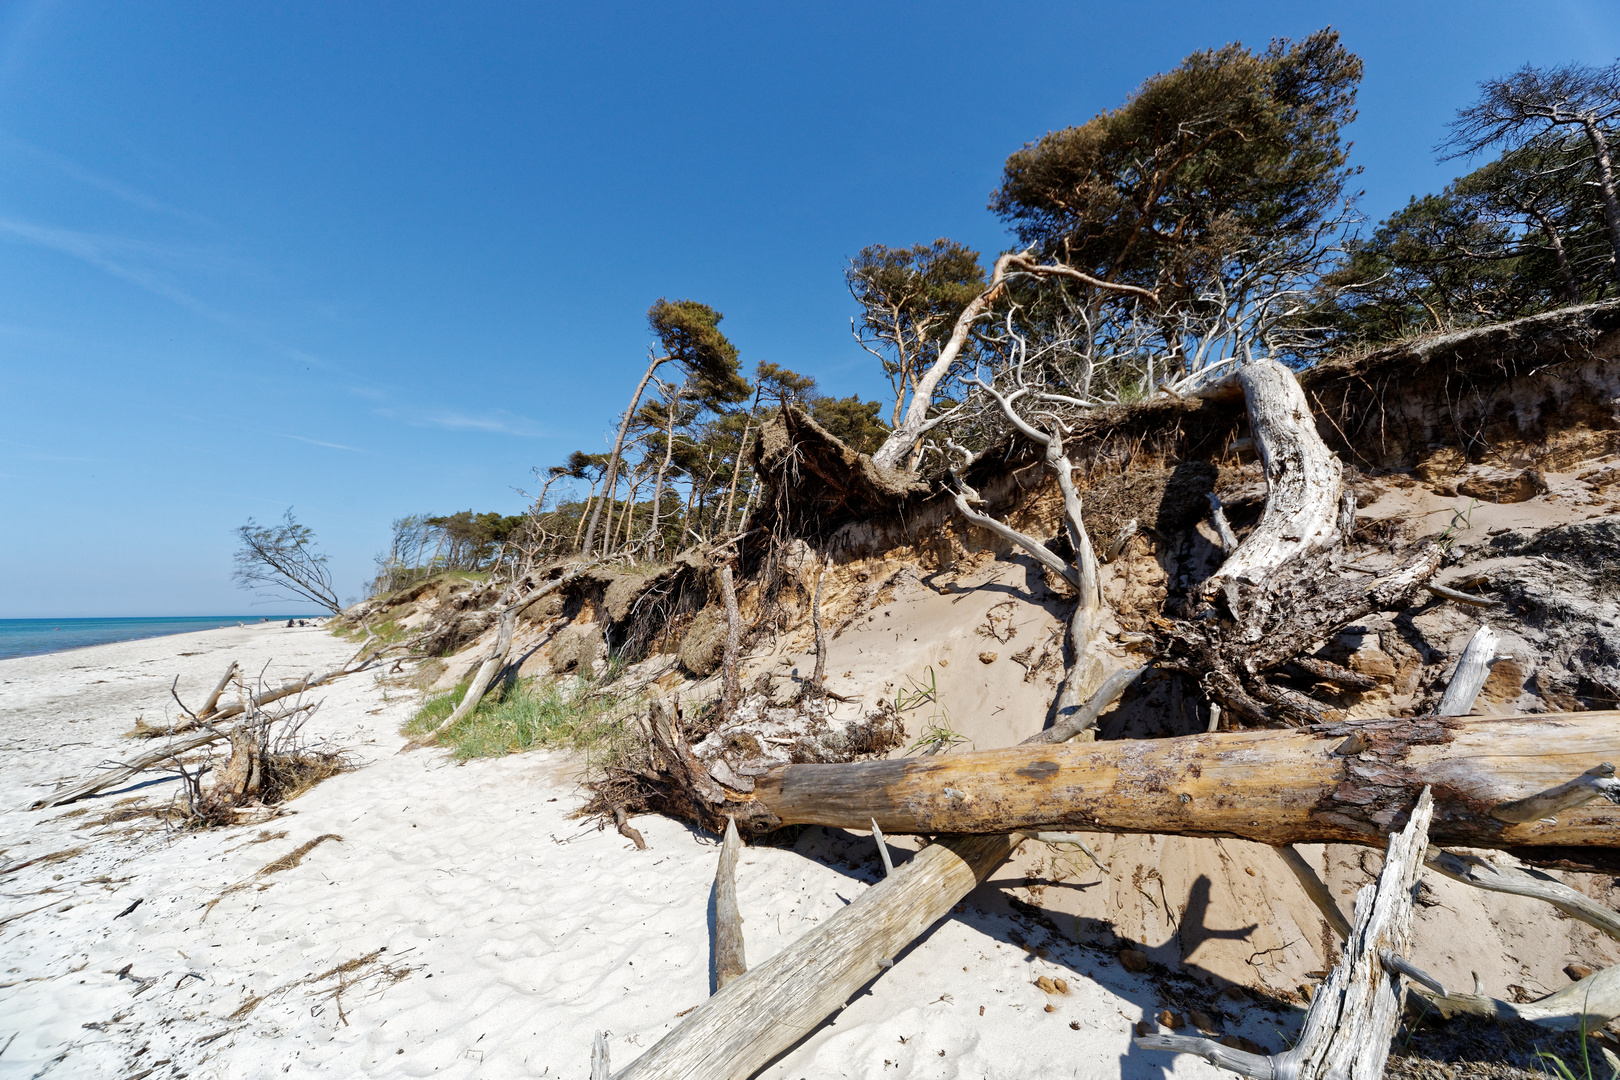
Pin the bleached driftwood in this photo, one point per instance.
(1116, 546)
(738, 1030)
(883, 849)
(1472, 870)
(1473, 668)
(729, 961)
(1336, 782)
(213, 699)
(600, 1069)
(492, 664)
(1315, 888)
(1353, 1015)
(1598, 782)
(126, 770)
(1581, 1006)
(1459, 597)
(1085, 717)
(1303, 477)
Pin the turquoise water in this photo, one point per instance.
(31, 637)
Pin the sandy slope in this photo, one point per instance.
(513, 931)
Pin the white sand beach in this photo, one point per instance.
(456, 920)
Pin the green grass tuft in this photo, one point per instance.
(529, 714)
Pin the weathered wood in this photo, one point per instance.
(736, 1032)
(1116, 546)
(1459, 597)
(125, 770)
(1315, 888)
(1468, 678)
(480, 683)
(213, 699)
(1085, 717)
(1472, 870)
(1258, 1066)
(600, 1069)
(1352, 1017)
(1303, 477)
(621, 820)
(883, 850)
(1582, 1006)
(1275, 787)
(729, 961)
(1598, 782)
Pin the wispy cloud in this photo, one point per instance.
(108, 254)
(89, 177)
(328, 445)
(496, 422)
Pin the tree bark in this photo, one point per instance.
(1346, 782)
(735, 1033)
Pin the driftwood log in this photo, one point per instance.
(729, 960)
(1468, 678)
(1353, 1015)
(125, 770)
(1347, 782)
(736, 1032)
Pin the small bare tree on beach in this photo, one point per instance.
(279, 560)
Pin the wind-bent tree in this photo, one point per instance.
(689, 335)
(1573, 100)
(280, 560)
(1188, 226)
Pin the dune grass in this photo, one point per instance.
(573, 714)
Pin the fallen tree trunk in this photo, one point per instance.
(729, 960)
(738, 1030)
(1346, 782)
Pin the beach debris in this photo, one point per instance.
(1350, 1023)
(729, 962)
(621, 819)
(815, 975)
(286, 862)
(129, 909)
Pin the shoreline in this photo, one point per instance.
(175, 624)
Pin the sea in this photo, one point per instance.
(32, 637)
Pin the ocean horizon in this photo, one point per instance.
(36, 637)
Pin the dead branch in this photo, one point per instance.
(1468, 679)
(1352, 1017)
(1598, 782)
(1472, 870)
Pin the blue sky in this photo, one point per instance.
(375, 259)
